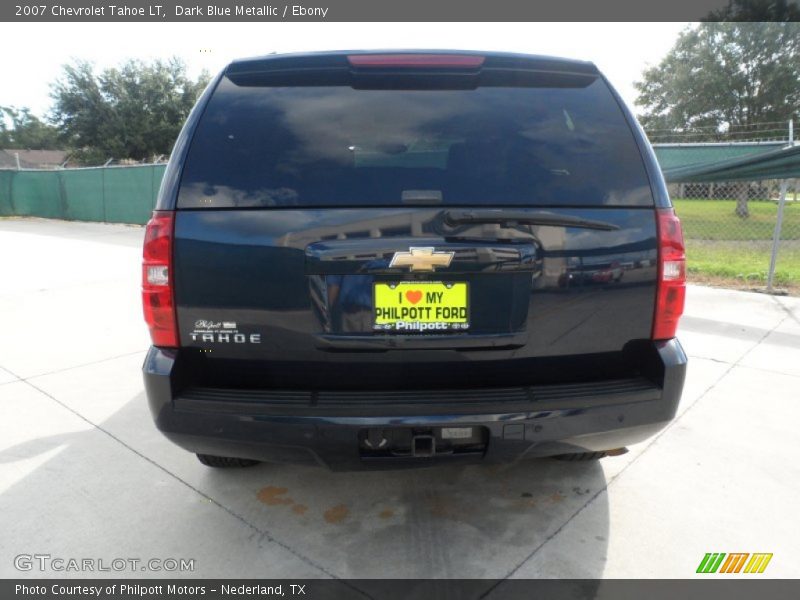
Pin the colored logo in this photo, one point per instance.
(736, 562)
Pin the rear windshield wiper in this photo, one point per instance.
(522, 217)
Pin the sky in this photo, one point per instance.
(33, 53)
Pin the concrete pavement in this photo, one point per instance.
(84, 473)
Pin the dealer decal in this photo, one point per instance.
(221, 332)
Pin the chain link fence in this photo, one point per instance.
(743, 233)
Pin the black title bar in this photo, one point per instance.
(742, 588)
(405, 10)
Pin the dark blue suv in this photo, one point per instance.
(384, 259)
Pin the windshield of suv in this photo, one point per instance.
(335, 146)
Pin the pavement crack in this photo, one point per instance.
(654, 440)
(789, 312)
(712, 359)
(262, 533)
(89, 364)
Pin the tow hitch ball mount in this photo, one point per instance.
(416, 444)
(423, 445)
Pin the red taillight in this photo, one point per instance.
(157, 280)
(671, 291)
(464, 61)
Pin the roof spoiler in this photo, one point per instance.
(411, 70)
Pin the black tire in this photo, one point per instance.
(225, 462)
(581, 456)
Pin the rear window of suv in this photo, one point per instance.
(336, 146)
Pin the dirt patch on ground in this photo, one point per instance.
(274, 496)
(336, 514)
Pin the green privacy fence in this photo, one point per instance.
(128, 194)
(109, 194)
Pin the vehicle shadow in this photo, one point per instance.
(117, 491)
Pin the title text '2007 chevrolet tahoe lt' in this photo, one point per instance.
(384, 259)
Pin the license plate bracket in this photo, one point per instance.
(421, 306)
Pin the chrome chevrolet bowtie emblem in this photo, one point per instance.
(421, 259)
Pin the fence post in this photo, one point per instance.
(776, 235)
(103, 193)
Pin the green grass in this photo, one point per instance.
(722, 247)
(717, 220)
(744, 262)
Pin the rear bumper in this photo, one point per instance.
(328, 428)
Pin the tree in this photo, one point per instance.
(134, 111)
(27, 131)
(724, 78)
(756, 10)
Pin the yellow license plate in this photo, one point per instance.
(421, 306)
